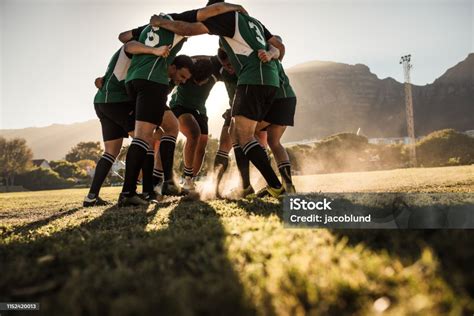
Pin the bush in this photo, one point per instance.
(67, 169)
(445, 148)
(43, 179)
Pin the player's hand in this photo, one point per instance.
(155, 20)
(264, 56)
(162, 51)
(99, 82)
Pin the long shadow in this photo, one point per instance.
(117, 265)
(453, 248)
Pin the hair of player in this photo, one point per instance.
(183, 61)
(278, 37)
(222, 54)
(202, 69)
(211, 2)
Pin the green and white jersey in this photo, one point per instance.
(113, 89)
(242, 37)
(285, 91)
(151, 67)
(192, 96)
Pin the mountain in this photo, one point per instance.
(335, 97)
(332, 98)
(54, 141)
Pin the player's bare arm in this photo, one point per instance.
(136, 48)
(274, 41)
(179, 27)
(266, 56)
(125, 36)
(218, 8)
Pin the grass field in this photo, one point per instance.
(220, 257)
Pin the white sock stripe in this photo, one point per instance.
(249, 146)
(109, 155)
(141, 141)
(150, 152)
(283, 166)
(222, 155)
(140, 145)
(168, 137)
(108, 159)
(235, 145)
(250, 143)
(286, 162)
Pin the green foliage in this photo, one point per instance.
(67, 169)
(445, 147)
(85, 150)
(15, 157)
(43, 179)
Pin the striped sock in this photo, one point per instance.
(167, 146)
(256, 154)
(188, 172)
(101, 171)
(243, 165)
(134, 162)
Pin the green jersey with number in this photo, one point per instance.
(113, 88)
(192, 96)
(243, 49)
(151, 67)
(285, 91)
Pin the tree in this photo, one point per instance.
(15, 157)
(43, 179)
(85, 151)
(67, 169)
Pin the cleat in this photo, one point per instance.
(158, 188)
(88, 202)
(268, 191)
(152, 197)
(133, 200)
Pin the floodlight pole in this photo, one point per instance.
(407, 66)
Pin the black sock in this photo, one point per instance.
(101, 171)
(243, 165)
(157, 176)
(147, 171)
(188, 172)
(221, 163)
(285, 170)
(256, 154)
(135, 158)
(167, 145)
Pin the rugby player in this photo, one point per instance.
(242, 37)
(147, 83)
(115, 111)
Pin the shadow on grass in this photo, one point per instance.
(117, 265)
(453, 248)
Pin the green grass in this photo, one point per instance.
(220, 258)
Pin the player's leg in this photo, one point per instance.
(202, 143)
(117, 120)
(150, 104)
(243, 163)
(275, 132)
(170, 128)
(190, 129)
(280, 116)
(250, 107)
(158, 175)
(221, 162)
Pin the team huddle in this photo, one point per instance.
(132, 101)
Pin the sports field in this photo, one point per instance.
(220, 257)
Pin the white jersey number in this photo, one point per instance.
(152, 39)
(259, 36)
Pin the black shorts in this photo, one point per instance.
(227, 117)
(282, 112)
(200, 118)
(116, 119)
(253, 101)
(150, 100)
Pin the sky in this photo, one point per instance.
(51, 50)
